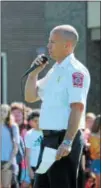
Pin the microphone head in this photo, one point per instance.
(45, 59)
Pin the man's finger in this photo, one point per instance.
(65, 153)
(57, 156)
(60, 154)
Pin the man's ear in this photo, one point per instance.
(68, 44)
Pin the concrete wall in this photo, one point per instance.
(22, 32)
(94, 66)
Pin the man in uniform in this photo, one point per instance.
(64, 93)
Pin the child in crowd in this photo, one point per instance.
(90, 180)
(9, 146)
(90, 118)
(33, 140)
(94, 149)
(19, 111)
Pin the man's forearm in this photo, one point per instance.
(31, 88)
(74, 122)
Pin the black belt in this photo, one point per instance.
(52, 132)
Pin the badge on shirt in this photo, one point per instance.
(78, 79)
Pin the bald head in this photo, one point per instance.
(68, 33)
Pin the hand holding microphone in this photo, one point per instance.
(38, 65)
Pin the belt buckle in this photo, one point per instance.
(46, 132)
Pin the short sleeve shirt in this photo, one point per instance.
(64, 84)
(33, 140)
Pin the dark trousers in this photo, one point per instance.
(63, 173)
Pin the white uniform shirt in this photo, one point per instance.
(33, 140)
(64, 84)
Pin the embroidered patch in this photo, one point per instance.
(78, 79)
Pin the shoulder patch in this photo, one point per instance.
(78, 79)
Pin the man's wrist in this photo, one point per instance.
(68, 142)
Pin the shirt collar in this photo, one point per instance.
(65, 61)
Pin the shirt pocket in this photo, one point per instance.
(61, 95)
(57, 92)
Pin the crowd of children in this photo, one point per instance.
(21, 143)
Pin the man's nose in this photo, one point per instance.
(49, 45)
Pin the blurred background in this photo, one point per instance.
(25, 28)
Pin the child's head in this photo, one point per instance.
(33, 119)
(90, 118)
(4, 113)
(17, 109)
(97, 124)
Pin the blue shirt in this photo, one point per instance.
(65, 83)
(6, 144)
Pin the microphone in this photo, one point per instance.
(44, 60)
